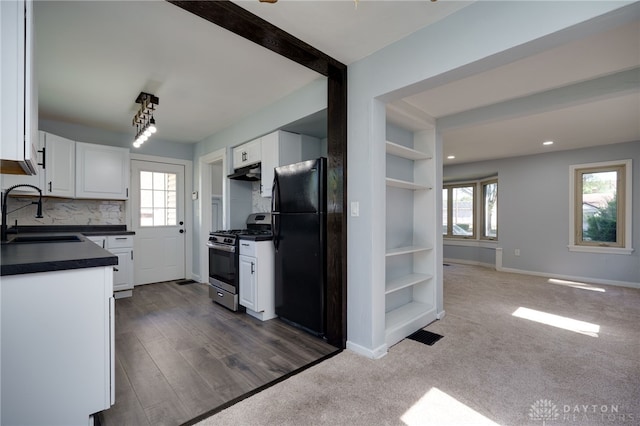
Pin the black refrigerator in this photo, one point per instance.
(298, 215)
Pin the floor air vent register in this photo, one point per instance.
(424, 336)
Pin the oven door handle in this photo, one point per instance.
(221, 247)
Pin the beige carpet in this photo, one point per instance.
(491, 367)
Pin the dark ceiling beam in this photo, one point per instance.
(240, 21)
(249, 26)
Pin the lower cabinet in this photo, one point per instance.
(121, 246)
(57, 346)
(257, 278)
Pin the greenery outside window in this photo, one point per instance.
(601, 207)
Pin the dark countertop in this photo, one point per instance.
(28, 258)
(87, 230)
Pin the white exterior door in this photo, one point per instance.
(157, 201)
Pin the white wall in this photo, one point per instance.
(479, 37)
(533, 214)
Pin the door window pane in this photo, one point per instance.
(158, 199)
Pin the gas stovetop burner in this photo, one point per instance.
(258, 224)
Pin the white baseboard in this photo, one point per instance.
(441, 315)
(588, 280)
(469, 262)
(376, 353)
(196, 278)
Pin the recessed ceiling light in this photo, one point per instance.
(451, 157)
(547, 143)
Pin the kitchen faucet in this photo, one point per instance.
(3, 236)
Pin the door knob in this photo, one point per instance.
(182, 231)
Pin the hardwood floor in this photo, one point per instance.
(179, 355)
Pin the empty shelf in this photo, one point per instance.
(404, 152)
(405, 281)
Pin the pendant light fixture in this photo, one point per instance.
(143, 120)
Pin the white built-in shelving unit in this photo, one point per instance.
(410, 289)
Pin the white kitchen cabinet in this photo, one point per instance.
(257, 290)
(57, 348)
(122, 247)
(59, 172)
(248, 282)
(410, 262)
(278, 149)
(18, 89)
(247, 154)
(101, 172)
(9, 180)
(99, 240)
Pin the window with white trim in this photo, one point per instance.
(601, 207)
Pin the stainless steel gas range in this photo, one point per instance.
(224, 258)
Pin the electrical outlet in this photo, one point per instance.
(516, 252)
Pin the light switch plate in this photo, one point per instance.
(194, 195)
(355, 208)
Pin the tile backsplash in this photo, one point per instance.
(259, 203)
(62, 211)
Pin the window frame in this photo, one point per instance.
(153, 207)
(479, 213)
(624, 207)
(450, 189)
(483, 211)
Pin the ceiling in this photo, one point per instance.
(93, 58)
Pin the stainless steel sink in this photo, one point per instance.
(46, 239)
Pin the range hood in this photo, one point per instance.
(251, 173)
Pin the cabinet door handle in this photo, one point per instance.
(49, 186)
(253, 267)
(121, 238)
(245, 244)
(44, 159)
(244, 156)
(116, 270)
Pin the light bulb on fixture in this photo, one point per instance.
(152, 125)
(137, 144)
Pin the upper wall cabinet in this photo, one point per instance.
(18, 89)
(60, 166)
(102, 172)
(278, 149)
(246, 154)
(9, 180)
